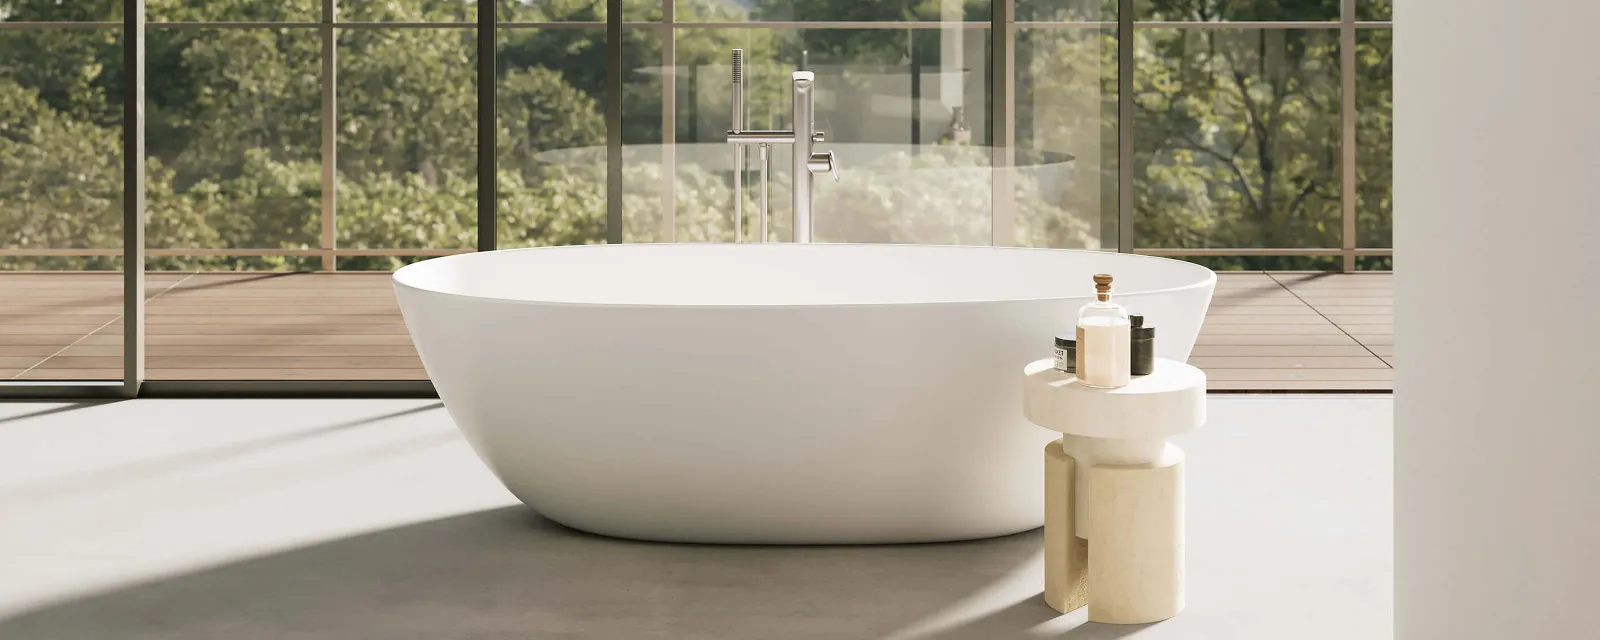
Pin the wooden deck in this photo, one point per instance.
(1266, 331)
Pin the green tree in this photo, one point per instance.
(1236, 130)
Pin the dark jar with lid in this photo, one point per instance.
(1067, 352)
(1142, 354)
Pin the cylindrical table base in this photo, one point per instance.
(1066, 555)
(1136, 553)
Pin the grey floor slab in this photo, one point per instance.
(324, 519)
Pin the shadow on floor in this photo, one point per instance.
(145, 470)
(507, 573)
(49, 410)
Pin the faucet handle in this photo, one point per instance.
(824, 162)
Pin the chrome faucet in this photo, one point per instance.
(803, 138)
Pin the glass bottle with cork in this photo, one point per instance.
(1103, 340)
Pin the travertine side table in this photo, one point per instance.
(1114, 489)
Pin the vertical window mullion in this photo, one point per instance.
(330, 137)
(133, 194)
(488, 129)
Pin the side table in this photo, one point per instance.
(1114, 486)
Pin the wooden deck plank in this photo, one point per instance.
(1212, 363)
(243, 350)
(1262, 310)
(75, 319)
(1322, 295)
(231, 374)
(1269, 329)
(1365, 319)
(1384, 374)
(1331, 310)
(70, 374)
(74, 329)
(181, 329)
(1279, 319)
(38, 351)
(1248, 339)
(230, 361)
(264, 319)
(1274, 301)
(1265, 332)
(1282, 350)
(226, 340)
(1347, 301)
(1300, 385)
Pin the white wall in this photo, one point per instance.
(1497, 189)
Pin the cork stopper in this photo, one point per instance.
(1102, 286)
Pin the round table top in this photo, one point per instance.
(1170, 401)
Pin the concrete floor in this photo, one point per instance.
(323, 519)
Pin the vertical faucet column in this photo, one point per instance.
(738, 151)
(805, 125)
(807, 161)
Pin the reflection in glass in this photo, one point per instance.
(913, 168)
(1375, 138)
(247, 11)
(831, 11)
(1235, 10)
(233, 128)
(1237, 138)
(53, 11)
(1066, 10)
(61, 144)
(1066, 138)
(412, 11)
(572, 10)
(552, 132)
(408, 145)
(551, 97)
(1376, 10)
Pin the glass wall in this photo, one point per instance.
(298, 150)
(1065, 136)
(1236, 138)
(1261, 133)
(61, 207)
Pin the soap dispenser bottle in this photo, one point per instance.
(1103, 340)
(958, 133)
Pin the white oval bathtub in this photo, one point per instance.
(768, 393)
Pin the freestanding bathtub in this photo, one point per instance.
(768, 393)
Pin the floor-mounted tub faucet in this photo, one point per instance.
(803, 138)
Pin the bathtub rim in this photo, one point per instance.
(400, 275)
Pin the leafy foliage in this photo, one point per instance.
(1236, 130)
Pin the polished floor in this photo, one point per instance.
(353, 519)
(1267, 331)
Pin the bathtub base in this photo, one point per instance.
(767, 540)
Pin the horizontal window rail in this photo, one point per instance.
(1149, 251)
(1279, 252)
(775, 24)
(243, 253)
